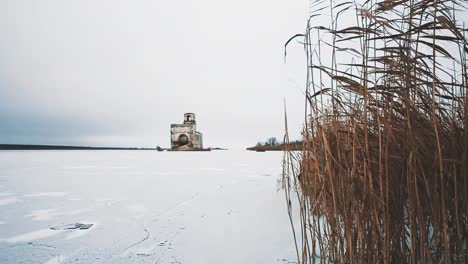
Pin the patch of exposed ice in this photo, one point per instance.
(49, 214)
(77, 234)
(42, 214)
(100, 200)
(116, 167)
(138, 210)
(55, 260)
(79, 167)
(212, 169)
(76, 212)
(2, 223)
(32, 236)
(9, 201)
(7, 194)
(131, 173)
(109, 201)
(46, 194)
(163, 173)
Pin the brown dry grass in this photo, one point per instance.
(382, 177)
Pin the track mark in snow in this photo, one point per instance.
(147, 236)
(155, 218)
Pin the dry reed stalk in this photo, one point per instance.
(382, 177)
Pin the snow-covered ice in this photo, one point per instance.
(32, 236)
(144, 207)
(46, 194)
(9, 201)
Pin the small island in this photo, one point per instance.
(272, 144)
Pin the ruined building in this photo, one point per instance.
(185, 136)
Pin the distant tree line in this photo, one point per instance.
(269, 142)
(273, 141)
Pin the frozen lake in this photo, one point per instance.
(144, 207)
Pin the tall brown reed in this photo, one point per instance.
(382, 177)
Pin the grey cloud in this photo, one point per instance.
(119, 72)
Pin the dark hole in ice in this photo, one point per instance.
(72, 226)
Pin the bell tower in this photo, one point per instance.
(189, 118)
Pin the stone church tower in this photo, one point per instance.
(185, 136)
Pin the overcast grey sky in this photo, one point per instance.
(119, 72)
